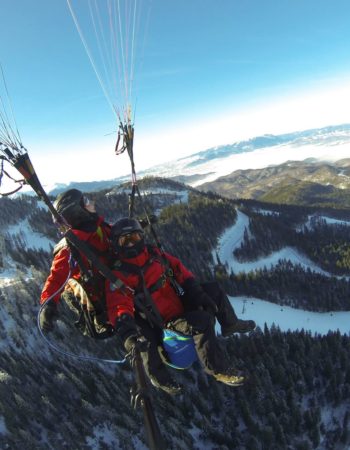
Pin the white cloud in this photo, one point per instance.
(87, 160)
(291, 113)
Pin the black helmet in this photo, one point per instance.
(70, 204)
(123, 227)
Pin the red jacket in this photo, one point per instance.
(61, 267)
(165, 298)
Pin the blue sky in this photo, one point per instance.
(207, 73)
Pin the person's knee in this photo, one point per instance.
(213, 289)
(201, 321)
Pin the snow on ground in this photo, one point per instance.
(287, 318)
(3, 429)
(232, 239)
(30, 238)
(266, 212)
(7, 277)
(332, 221)
(162, 191)
(314, 219)
(261, 311)
(102, 433)
(9, 274)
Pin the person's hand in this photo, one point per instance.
(140, 342)
(130, 343)
(48, 316)
(125, 328)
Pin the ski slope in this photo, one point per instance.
(263, 312)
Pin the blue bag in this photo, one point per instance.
(179, 348)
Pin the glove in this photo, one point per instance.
(48, 316)
(198, 297)
(125, 328)
(130, 343)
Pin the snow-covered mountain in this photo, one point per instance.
(296, 376)
(326, 144)
(330, 143)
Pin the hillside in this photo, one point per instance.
(299, 383)
(309, 183)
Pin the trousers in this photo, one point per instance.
(198, 324)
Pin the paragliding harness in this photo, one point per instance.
(91, 314)
(176, 350)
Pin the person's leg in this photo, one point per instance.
(153, 364)
(200, 325)
(226, 315)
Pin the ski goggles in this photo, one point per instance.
(130, 238)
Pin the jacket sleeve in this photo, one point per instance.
(118, 303)
(181, 273)
(59, 274)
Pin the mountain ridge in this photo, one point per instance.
(210, 164)
(290, 179)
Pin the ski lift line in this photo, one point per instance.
(90, 57)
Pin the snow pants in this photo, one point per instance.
(225, 315)
(199, 325)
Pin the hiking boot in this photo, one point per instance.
(231, 377)
(169, 386)
(240, 326)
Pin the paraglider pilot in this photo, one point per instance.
(155, 277)
(79, 212)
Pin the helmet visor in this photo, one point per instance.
(130, 239)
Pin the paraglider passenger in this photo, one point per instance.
(79, 212)
(143, 268)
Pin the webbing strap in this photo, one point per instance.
(96, 262)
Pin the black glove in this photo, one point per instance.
(198, 297)
(125, 328)
(48, 316)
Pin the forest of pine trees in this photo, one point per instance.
(298, 392)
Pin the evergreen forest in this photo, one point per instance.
(297, 396)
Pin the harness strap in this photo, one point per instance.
(149, 303)
(168, 273)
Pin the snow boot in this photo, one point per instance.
(231, 377)
(166, 384)
(240, 326)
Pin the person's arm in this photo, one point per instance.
(120, 308)
(59, 274)
(181, 273)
